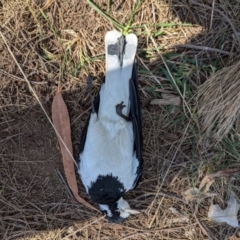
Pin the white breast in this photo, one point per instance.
(108, 150)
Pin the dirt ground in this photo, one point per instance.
(57, 43)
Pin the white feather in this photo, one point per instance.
(132, 211)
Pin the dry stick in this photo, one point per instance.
(33, 38)
(201, 224)
(209, 49)
(211, 21)
(20, 79)
(155, 215)
(59, 174)
(119, 5)
(35, 95)
(158, 229)
(160, 194)
(9, 137)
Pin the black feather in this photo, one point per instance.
(106, 190)
(136, 116)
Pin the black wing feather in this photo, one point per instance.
(84, 132)
(136, 116)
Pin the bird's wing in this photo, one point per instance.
(136, 116)
(84, 132)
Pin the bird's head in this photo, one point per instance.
(117, 212)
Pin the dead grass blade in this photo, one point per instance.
(61, 122)
(167, 99)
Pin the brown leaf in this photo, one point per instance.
(167, 99)
(61, 122)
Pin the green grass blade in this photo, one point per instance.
(112, 20)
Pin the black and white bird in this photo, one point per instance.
(111, 144)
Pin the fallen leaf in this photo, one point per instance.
(229, 215)
(61, 123)
(167, 99)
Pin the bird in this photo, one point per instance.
(110, 156)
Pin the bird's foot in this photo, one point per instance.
(119, 108)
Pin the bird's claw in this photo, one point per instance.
(119, 108)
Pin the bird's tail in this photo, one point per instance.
(120, 55)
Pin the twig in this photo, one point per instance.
(20, 79)
(201, 225)
(211, 21)
(159, 229)
(9, 137)
(204, 48)
(160, 194)
(33, 38)
(7, 21)
(156, 213)
(119, 5)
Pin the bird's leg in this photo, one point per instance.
(119, 108)
(89, 86)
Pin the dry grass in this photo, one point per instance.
(219, 99)
(57, 43)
